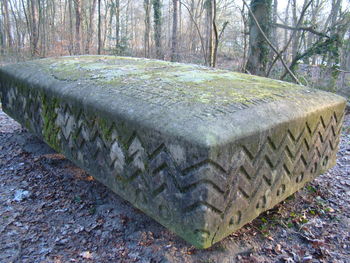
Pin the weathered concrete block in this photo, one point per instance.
(202, 151)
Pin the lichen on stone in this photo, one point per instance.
(190, 83)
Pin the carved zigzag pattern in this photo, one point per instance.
(267, 173)
(294, 158)
(114, 152)
(263, 170)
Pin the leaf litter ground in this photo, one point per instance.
(53, 211)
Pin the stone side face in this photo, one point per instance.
(204, 200)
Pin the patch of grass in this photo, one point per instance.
(311, 189)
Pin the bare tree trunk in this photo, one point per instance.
(71, 42)
(77, 6)
(244, 35)
(7, 24)
(345, 65)
(90, 29)
(99, 28)
(34, 28)
(274, 37)
(286, 32)
(169, 25)
(336, 5)
(157, 18)
(18, 42)
(258, 47)
(42, 29)
(192, 31)
(129, 10)
(179, 26)
(295, 41)
(174, 55)
(117, 26)
(215, 36)
(147, 8)
(209, 35)
(104, 27)
(297, 38)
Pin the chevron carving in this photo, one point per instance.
(208, 200)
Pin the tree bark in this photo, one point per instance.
(7, 24)
(209, 34)
(258, 53)
(157, 18)
(90, 29)
(71, 42)
(117, 26)
(34, 28)
(77, 6)
(174, 55)
(147, 7)
(99, 28)
(215, 36)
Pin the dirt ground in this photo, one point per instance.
(52, 211)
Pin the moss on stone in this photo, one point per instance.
(191, 83)
(105, 128)
(50, 129)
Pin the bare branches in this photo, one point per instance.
(311, 29)
(271, 45)
(302, 14)
(198, 31)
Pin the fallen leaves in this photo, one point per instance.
(69, 217)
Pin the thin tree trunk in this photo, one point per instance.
(77, 5)
(99, 27)
(157, 18)
(34, 29)
(215, 36)
(174, 55)
(71, 42)
(7, 24)
(274, 35)
(104, 27)
(18, 43)
(192, 31)
(286, 32)
(209, 21)
(147, 7)
(295, 41)
(245, 34)
(90, 29)
(117, 26)
(336, 4)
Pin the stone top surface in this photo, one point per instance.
(198, 103)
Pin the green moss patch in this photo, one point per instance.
(189, 83)
(50, 129)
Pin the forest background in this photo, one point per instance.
(303, 41)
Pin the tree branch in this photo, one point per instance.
(290, 38)
(311, 29)
(270, 44)
(198, 31)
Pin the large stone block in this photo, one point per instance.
(202, 151)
